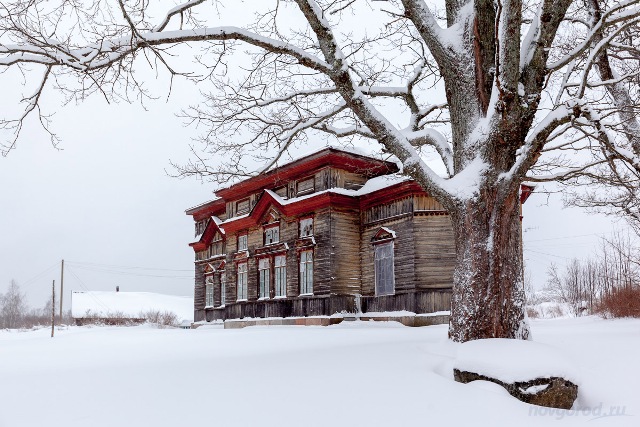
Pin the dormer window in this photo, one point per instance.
(243, 242)
(281, 191)
(306, 186)
(306, 227)
(242, 206)
(272, 234)
(200, 226)
(217, 245)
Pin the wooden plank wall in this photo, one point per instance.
(404, 254)
(387, 211)
(345, 232)
(199, 292)
(435, 251)
(416, 301)
(323, 253)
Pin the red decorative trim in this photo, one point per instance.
(305, 166)
(525, 192)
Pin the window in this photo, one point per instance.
(272, 235)
(264, 272)
(306, 272)
(242, 206)
(223, 289)
(306, 227)
(280, 272)
(281, 191)
(384, 268)
(305, 187)
(242, 281)
(200, 255)
(217, 246)
(243, 242)
(208, 291)
(200, 227)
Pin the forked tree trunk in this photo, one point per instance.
(488, 293)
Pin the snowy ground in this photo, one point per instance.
(354, 374)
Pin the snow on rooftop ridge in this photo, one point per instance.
(510, 360)
(215, 199)
(130, 304)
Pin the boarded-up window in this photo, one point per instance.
(306, 227)
(242, 281)
(242, 206)
(264, 272)
(306, 272)
(272, 235)
(305, 186)
(384, 268)
(281, 276)
(209, 291)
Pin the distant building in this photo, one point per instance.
(117, 308)
(333, 232)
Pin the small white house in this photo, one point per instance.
(116, 308)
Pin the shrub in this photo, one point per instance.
(160, 318)
(620, 302)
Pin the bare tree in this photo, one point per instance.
(511, 79)
(13, 307)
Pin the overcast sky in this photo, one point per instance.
(105, 204)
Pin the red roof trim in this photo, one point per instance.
(525, 192)
(329, 157)
(207, 236)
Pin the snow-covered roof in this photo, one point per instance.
(129, 304)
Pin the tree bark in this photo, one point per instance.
(488, 290)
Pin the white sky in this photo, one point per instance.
(105, 204)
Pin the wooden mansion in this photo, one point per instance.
(331, 233)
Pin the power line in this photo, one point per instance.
(90, 293)
(125, 266)
(32, 280)
(575, 235)
(129, 273)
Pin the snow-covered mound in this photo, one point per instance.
(513, 361)
(129, 304)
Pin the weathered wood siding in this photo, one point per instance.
(404, 254)
(345, 252)
(435, 251)
(418, 302)
(388, 211)
(323, 253)
(199, 292)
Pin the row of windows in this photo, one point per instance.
(383, 266)
(303, 187)
(265, 279)
(271, 236)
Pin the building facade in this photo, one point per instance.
(333, 232)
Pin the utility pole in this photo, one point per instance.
(53, 307)
(61, 287)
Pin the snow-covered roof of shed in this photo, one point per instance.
(130, 304)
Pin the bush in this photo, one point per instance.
(160, 318)
(620, 302)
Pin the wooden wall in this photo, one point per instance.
(199, 292)
(345, 249)
(424, 257)
(404, 254)
(435, 251)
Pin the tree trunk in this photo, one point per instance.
(488, 289)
